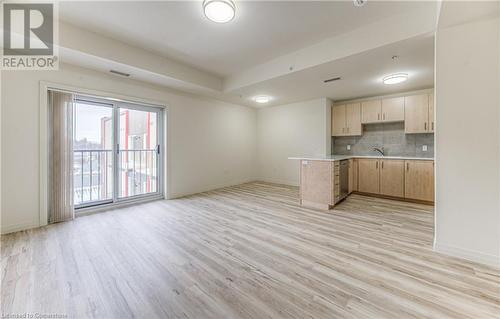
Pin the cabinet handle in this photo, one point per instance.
(432, 126)
(425, 126)
(378, 116)
(376, 164)
(407, 166)
(384, 116)
(382, 164)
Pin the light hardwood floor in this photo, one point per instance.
(247, 251)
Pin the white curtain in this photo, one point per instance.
(61, 206)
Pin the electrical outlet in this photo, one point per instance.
(424, 148)
(348, 147)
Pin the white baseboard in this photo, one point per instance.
(211, 187)
(479, 257)
(18, 227)
(279, 181)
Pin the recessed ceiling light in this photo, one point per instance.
(262, 99)
(395, 78)
(220, 11)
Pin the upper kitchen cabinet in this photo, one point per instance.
(371, 111)
(382, 111)
(432, 114)
(393, 109)
(338, 120)
(346, 120)
(419, 113)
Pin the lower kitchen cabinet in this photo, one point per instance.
(353, 175)
(368, 175)
(392, 177)
(419, 180)
(411, 179)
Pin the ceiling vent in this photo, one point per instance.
(120, 73)
(332, 79)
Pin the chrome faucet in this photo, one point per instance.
(380, 150)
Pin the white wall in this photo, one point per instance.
(468, 141)
(211, 143)
(296, 129)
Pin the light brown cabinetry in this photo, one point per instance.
(392, 177)
(432, 114)
(353, 119)
(419, 180)
(368, 176)
(353, 175)
(382, 111)
(346, 120)
(371, 111)
(419, 113)
(411, 179)
(393, 109)
(338, 120)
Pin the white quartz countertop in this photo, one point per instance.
(344, 157)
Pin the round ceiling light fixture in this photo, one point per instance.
(220, 11)
(359, 3)
(395, 78)
(262, 99)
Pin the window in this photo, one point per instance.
(117, 151)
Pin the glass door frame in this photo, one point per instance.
(159, 150)
(160, 158)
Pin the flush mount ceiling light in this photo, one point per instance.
(359, 3)
(262, 99)
(220, 11)
(395, 78)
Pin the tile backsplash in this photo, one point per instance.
(390, 136)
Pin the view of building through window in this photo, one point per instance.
(94, 153)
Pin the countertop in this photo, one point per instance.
(334, 158)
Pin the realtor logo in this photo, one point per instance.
(29, 36)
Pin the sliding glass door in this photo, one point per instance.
(117, 149)
(93, 177)
(138, 151)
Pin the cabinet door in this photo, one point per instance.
(353, 118)
(316, 179)
(368, 176)
(338, 120)
(370, 111)
(417, 113)
(432, 113)
(353, 175)
(392, 177)
(419, 180)
(393, 109)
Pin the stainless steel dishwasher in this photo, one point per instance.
(344, 179)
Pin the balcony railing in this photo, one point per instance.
(138, 172)
(94, 176)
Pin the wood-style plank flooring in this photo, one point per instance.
(247, 251)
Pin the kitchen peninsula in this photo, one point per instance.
(400, 124)
(327, 180)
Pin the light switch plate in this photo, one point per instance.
(348, 147)
(424, 148)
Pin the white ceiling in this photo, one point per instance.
(262, 30)
(361, 75)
